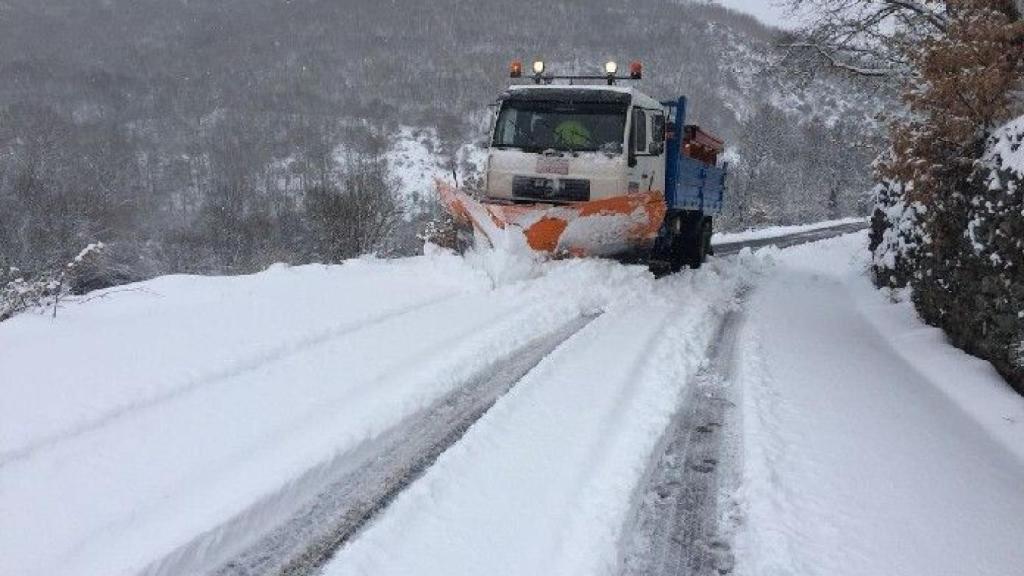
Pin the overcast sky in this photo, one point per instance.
(767, 10)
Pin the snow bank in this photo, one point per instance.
(122, 348)
(871, 446)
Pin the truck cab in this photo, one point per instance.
(558, 144)
(596, 170)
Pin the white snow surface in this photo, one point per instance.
(543, 483)
(871, 446)
(143, 420)
(134, 422)
(143, 417)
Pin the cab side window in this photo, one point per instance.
(657, 133)
(640, 131)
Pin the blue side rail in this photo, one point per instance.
(689, 183)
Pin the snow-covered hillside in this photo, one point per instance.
(415, 160)
(168, 427)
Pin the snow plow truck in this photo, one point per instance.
(587, 167)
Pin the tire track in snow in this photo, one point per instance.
(384, 467)
(420, 360)
(255, 362)
(685, 516)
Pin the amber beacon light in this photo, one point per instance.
(636, 70)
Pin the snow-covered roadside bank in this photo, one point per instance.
(871, 445)
(543, 483)
(118, 349)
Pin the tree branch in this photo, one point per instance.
(937, 20)
(836, 63)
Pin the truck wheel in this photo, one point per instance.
(694, 241)
(677, 253)
(709, 230)
(698, 248)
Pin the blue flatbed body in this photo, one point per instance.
(690, 184)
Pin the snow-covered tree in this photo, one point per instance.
(948, 222)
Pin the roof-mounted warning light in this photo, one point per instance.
(610, 69)
(541, 75)
(636, 70)
(538, 71)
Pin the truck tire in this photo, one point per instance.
(709, 230)
(688, 240)
(695, 240)
(677, 243)
(697, 243)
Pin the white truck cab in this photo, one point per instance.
(597, 170)
(575, 143)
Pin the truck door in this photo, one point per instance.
(646, 171)
(656, 149)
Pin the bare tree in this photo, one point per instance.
(869, 38)
(360, 217)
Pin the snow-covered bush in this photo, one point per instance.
(954, 226)
(993, 284)
(18, 293)
(96, 266)
(441, 231)
(896, 235)
(101, 265)
(969, 279)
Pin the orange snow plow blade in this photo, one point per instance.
(607, 227)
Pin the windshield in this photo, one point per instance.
(535, 126)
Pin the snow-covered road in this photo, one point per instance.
(185, 425)
(870, 445)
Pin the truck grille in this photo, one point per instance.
(563, 190)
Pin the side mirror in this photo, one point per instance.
(632, 159)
